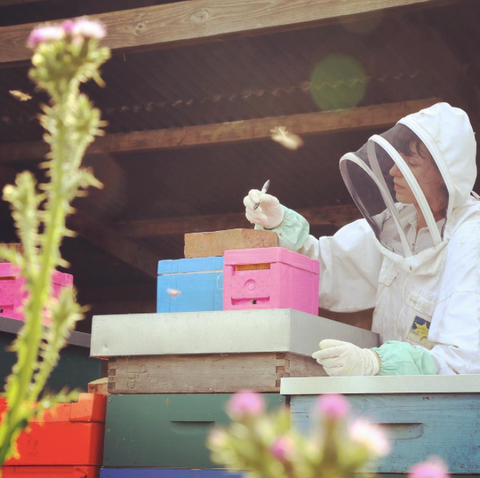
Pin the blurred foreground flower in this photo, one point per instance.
(77, 30)
(333, 407)
(267, 446)
(434, 467)
(244, 404)
(371, 436)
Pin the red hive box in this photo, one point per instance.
(69, 435)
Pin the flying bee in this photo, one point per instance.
(288, 140)
(20, 95)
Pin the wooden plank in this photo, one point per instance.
(209, 373)
(7, 3)
(99, 386)
(199, 21)
(365, 117)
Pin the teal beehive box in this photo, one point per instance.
(166, 430)
(190, 285)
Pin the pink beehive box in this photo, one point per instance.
(12, 291)
(270, 278)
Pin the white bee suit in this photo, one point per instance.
(425, 286)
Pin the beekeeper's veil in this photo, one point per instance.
(426, 162)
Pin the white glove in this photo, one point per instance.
(344, 358)
(268, 214)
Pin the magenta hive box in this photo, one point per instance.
(12, 293)
(270, 278)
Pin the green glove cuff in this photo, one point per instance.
(293, 231)
(400, 358)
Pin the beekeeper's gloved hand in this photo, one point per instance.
(344, 358)
(269, 213)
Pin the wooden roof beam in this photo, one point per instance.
(8, 3)
(200, 21)
(365, 117)
(337, 216)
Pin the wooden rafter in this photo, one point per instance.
(199, 21)
(375, 116)
(336, 216)
(7, 3)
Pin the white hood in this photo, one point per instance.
(384, 181)
(448, 134)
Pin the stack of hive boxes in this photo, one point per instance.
(66, 441)
(240, 317)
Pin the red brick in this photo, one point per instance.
(208, 244)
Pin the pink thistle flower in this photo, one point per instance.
(333, 407)
(245, 403)
(68, 26)
(45, 33)
(434, 467)
(217, 437)
(283, 448)
(370, 436)
(89, 28)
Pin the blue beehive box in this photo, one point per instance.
(168, 473)
(199, 280)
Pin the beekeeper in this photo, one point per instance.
(415, 256)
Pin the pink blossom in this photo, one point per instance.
(245, 403)
(434, 467)
(283, 448)
(68, 26)
(89, 28)
(333, 407)
(217, 437)
(371, 436)
(45, 33)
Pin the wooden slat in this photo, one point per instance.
(317, 216)
(7, 3)
(199, 21)
(208, 373)
(365, 117)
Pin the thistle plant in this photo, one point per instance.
(266, 445)
(64, 56)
